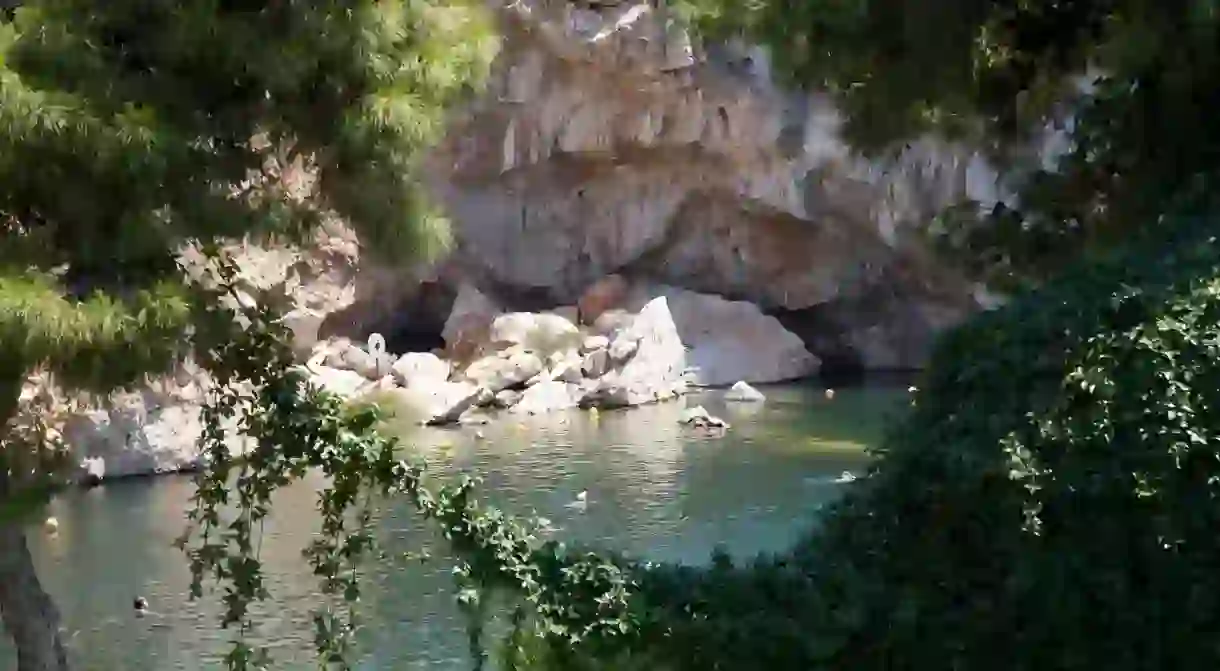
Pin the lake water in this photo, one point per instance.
(655, 489)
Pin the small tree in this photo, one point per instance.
(129, 129)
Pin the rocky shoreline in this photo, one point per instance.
(621, 346)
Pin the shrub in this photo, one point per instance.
(1050, 502)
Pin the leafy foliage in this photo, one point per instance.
(292, 427)
(130, 129)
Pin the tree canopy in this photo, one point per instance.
(131, 129)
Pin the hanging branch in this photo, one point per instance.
(291, 427)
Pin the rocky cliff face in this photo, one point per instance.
(605, 144)
(653, 202)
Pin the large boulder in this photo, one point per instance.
(140, 433)
(342, 354)
(416, 368)
(731, 341)
(544, 333)
(435, 404)
(509, 368)
(655, 366)
(346, 384)
(548, 396)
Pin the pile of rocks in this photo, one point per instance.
(621, 346)
(531, 363)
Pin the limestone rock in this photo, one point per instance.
(435, 404)
(498, 372)
(657, 361)
(548, 396)
(604, 145)
(622, 348)
(565, 366)
(744, 393)
(594, 343)
(699, 417)
(304, 324)
(416, 368)
(507, 398)
(346, 356)
(730, 341)
(595, 363)
(137, 434)
(543, 333)
(611, 322)
(343, 383)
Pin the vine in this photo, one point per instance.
(289, 427)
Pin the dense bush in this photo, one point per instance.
(1051, 502)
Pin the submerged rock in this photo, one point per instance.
(699, 417)
(744, 393)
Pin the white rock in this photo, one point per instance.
(439, 403)
(693, 414)
(611, 322)
(500, 372)
(569, 370)
(548, 396)
(595, 363)
(594, 343)
(304, 324)
(543, 333)
(137, 436)
(351, 357)
(698, 416)
(731, 341)
(416, 368)
(507, 398)
(623, 347)
(344, 383)
(742, 392)
(654, 371)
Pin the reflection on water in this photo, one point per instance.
(655, 489)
